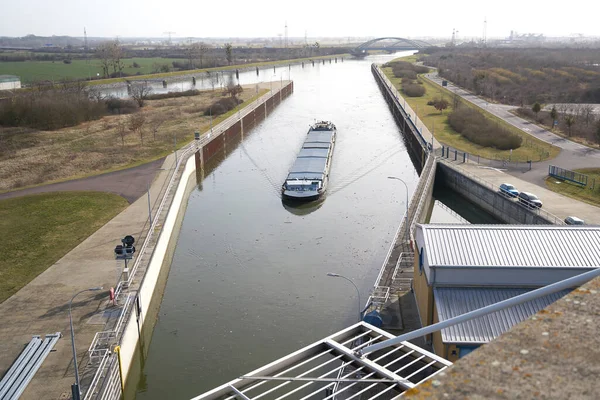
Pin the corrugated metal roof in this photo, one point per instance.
(314, 153)
(310, 164)
(319, 137)
(452, 302)
(511, 245)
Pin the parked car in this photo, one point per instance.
(508, 190)
(574, 221)
(530, 200)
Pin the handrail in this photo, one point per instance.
(574, 281)
(111, 380)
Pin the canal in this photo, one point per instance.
(248, 280)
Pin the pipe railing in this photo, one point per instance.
(111, 385)
(574, 281)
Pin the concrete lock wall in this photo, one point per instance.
(505, 209)
(156, 274)
(417, 149)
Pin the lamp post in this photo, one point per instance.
(75, 391)
(355, 287)
(406, 214)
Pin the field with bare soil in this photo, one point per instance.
(31, 157)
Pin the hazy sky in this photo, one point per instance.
(266, 18)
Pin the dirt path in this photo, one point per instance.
(130, 183)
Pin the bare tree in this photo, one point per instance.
(116, 54)
(587, 112)
(213, 79)
(122, 132)
(136, 124)
(140, 92)
(536, 108)
(202, 50)
(191, 52)
(103, 52)
(569, 121)
(441, 105)
(229, 53)
(233, 90)
(155, 124)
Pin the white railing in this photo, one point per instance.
(111, 386)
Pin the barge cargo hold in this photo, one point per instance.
(309, 176)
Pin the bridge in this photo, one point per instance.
(389, 44)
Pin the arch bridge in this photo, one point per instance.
(389, 44)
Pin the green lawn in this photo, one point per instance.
(578, 192)
(437, 123)
(38, 230)
(31, 71)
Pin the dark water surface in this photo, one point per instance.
(248, 281)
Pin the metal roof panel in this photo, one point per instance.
(452, 302)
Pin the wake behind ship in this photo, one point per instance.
(309, 176)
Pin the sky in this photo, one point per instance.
(324, 18)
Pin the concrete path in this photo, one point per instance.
(129, 183)
(41, 307)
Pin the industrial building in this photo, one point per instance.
(10, 82)
(461, 268)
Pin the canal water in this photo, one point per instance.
(248, 281)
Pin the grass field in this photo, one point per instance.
(30, 157)
(437, 123)
(577, 191)
(32, 71)
(38, 230)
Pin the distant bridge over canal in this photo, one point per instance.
(389, 44)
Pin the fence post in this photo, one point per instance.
(464, 157)
(455, 154)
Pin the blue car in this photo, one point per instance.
(508, 190)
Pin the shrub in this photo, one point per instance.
(136, 65)
(405, 73)
(67, 61)
(478, 129)
(221, 106)
(413, 90)
(120, 106)
(169, 95)
(50, 108)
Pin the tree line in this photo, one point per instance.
(522, 76)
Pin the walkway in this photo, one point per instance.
(130, 183)
(41, 306)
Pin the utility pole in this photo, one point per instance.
(169, 33)
(484, 31)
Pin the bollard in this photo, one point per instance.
(273, 68)
(336, 60)
(323, 62)
(237, 74)
(256, 71)
(313, 62)
(464, 157)
(193, 80)
(164, 84)
(455, 154)
(302, 64)
(442, 151)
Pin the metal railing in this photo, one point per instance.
(106, 381)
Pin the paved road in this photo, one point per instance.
(503, 111)
(572, 156)
(129, 183)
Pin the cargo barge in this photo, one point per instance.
(309, 176)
